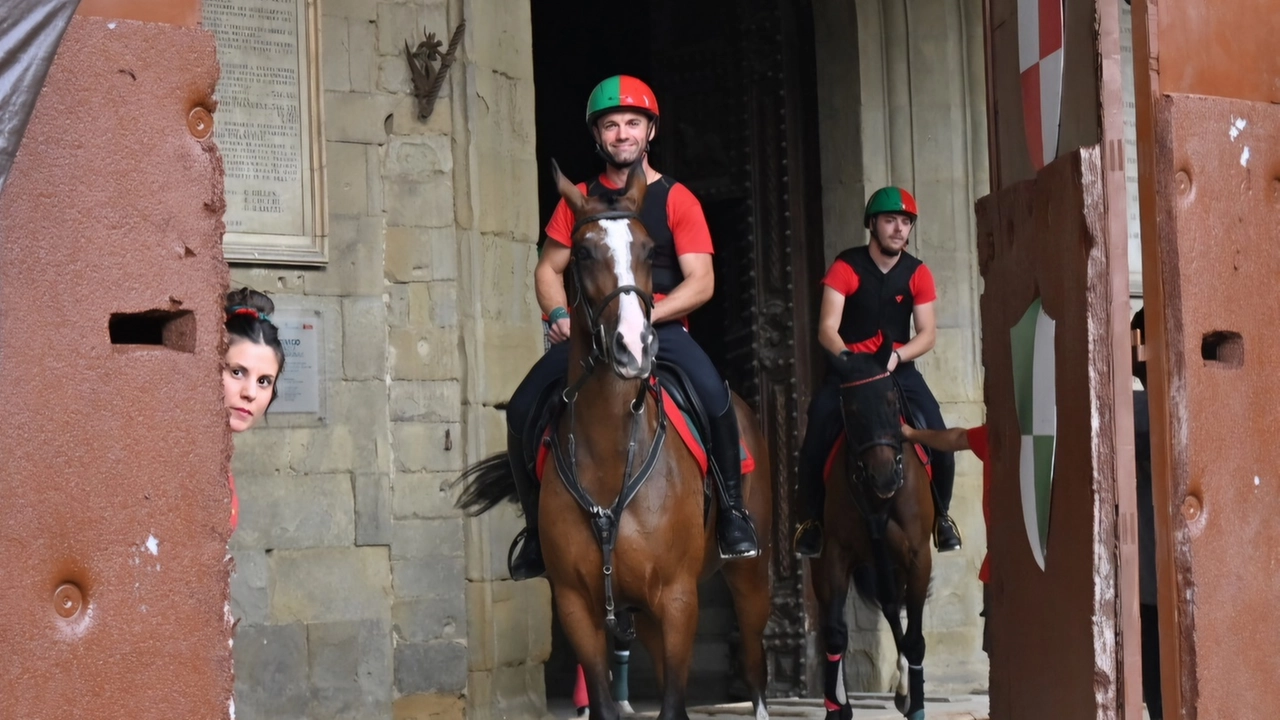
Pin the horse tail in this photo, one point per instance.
(486, 483)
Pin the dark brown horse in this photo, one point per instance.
(613, 453)
(879, 514)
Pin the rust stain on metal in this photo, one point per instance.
(115, 463)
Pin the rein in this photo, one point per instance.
(604, 520)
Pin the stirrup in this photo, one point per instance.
(795, 539)
(937, 527)
(518, 544)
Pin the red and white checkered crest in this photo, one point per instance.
(1040, 71)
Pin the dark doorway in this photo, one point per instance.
(739, 128)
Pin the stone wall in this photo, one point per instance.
(905, 104)
(360, 592)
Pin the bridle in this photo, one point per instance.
(601, 348)
(861, 475)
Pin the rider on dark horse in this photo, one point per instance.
(872, 294)
(622, 116)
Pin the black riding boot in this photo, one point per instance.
(946, 534)
(735, 534)
(525, 563)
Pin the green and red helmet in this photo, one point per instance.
(890, 200)
(621, 92)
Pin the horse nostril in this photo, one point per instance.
(620, 349)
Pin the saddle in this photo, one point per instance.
(690, 422)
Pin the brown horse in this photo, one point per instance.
(612, 453)
(879, 514)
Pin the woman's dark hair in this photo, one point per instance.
(249, 318)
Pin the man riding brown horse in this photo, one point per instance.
(622, 116)
(871, 295)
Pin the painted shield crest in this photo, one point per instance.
(1032, 342)
(1040, 73)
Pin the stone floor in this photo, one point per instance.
(866, 706)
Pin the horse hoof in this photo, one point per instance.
(624, 707)
(902, 702)
(917, 715)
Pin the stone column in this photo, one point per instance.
(496, 209)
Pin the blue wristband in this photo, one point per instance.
(557, 314)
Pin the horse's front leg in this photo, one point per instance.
(918, 572)
(831, 588)
(583, 623)
(678, 620)
(892, 565)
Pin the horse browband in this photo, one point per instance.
(606, 215)
(864, 381)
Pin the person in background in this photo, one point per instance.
(1146, 531)
(975, 440)
(252, 365)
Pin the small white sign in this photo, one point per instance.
(298, 387)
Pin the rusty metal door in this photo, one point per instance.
(114, 494)
(1052, 253)
(743, 138)
(1209, 162)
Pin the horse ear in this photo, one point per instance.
(573, 197)
(637, 184)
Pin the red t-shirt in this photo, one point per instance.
(842, 278)
(235, 502)
(684, 217)
(978, 444)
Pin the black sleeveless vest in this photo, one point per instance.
(883, 301)
(653, 215)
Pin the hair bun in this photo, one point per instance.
(247, 301)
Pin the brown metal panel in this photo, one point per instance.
(1217, 204)
(1224, 48)
(172, 12)
(115, 496)
(1053, 632)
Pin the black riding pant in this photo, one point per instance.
(825, 426)
(675, 346)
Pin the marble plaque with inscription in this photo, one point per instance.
(267, 129)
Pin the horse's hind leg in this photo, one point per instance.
(584, 626)
(749, 584)
(831, 587)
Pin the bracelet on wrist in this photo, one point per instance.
(557, 314)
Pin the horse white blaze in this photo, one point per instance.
(617, 237)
